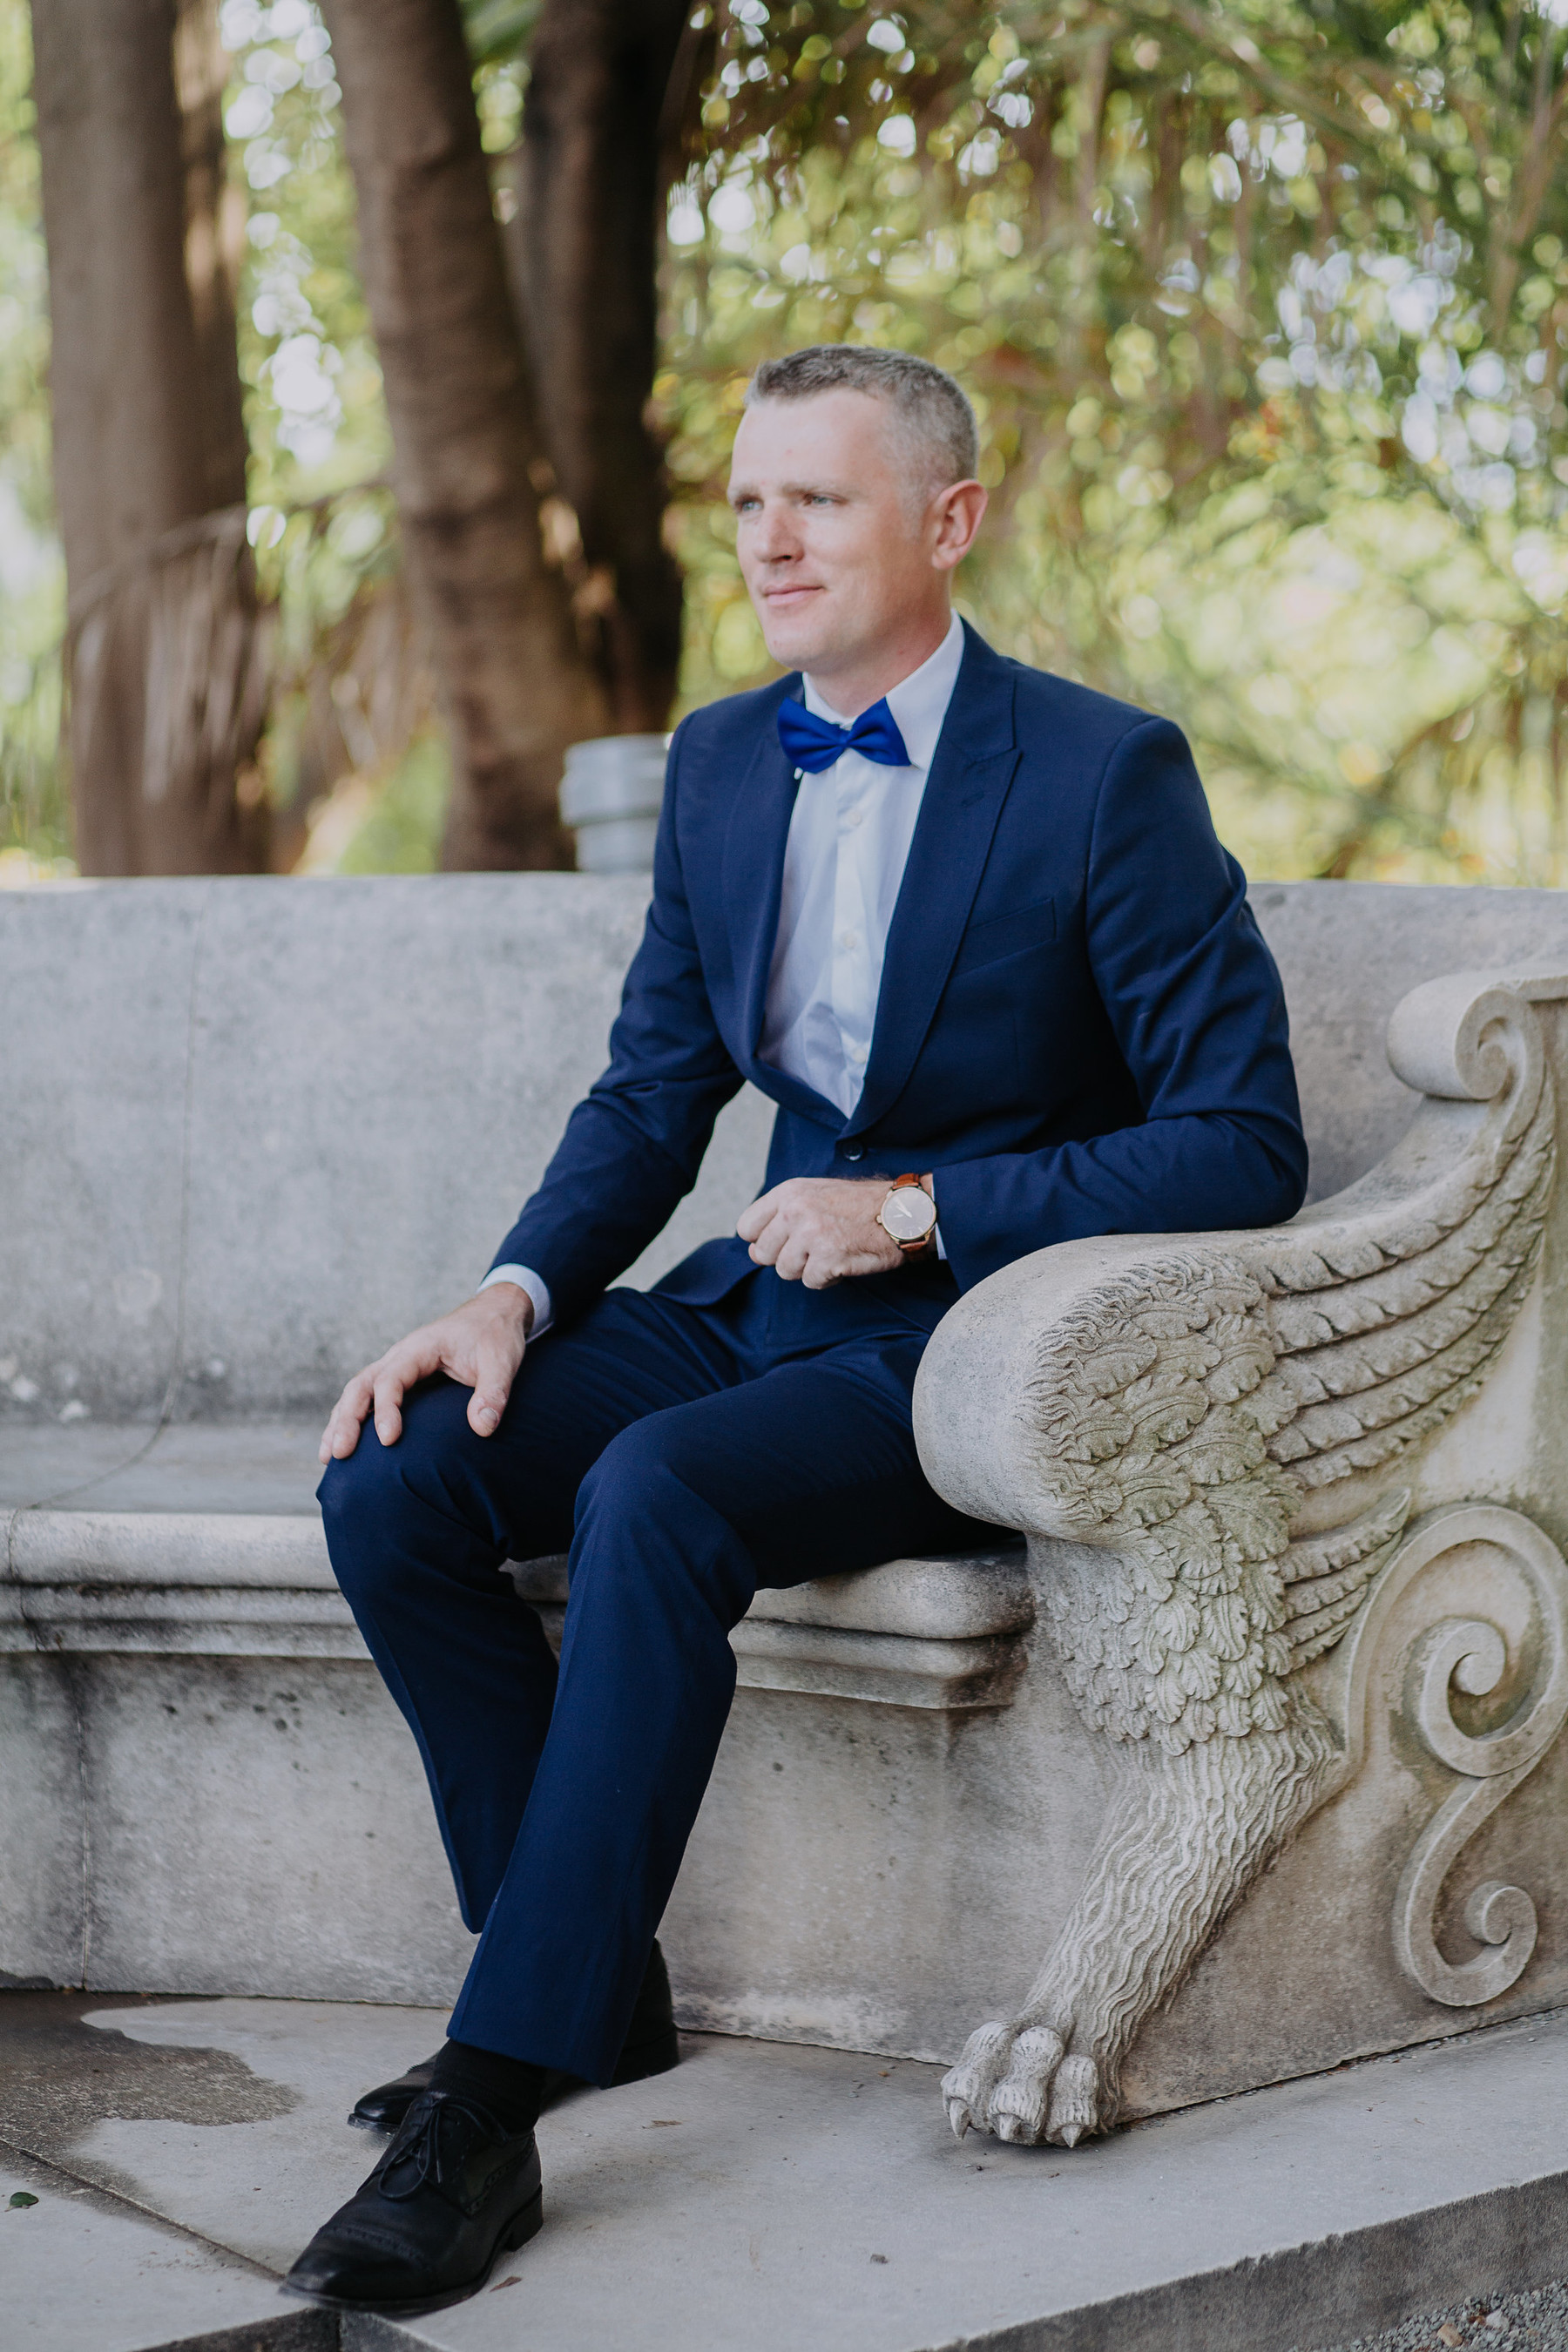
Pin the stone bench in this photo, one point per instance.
(251, 1129)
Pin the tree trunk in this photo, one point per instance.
(515, 682)
(165, 648)
(602, 96)
(214, 247)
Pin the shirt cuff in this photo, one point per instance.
(936, 1229)
(537, 1288)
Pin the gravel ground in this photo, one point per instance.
(1537, 2322)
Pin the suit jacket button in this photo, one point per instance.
(853, 1151)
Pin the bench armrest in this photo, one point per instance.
(1097, 1388)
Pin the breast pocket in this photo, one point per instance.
(1011, 934)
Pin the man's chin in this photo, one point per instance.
(800, 640)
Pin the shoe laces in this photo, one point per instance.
(422, 2154)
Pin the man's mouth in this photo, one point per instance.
(791, 592)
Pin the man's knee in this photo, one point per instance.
(358, 1489)
(373, 1500)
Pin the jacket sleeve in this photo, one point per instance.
(632, 1148)
(1195, 1004)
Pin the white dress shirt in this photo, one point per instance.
(848, 842)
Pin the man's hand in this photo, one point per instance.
(822, 1229)
(480, 1344)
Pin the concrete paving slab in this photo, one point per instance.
(262, 2185)
(97, 2267)
(83, 2272)
(784, 2195)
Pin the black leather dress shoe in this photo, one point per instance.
(451, 2192)
(651, 2047)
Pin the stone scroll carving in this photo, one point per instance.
(1470, 1654)
(1156, 1414)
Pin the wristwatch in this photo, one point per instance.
(908, 1216)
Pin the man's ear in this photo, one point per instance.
(958, 512)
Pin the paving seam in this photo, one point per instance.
(115, 2200)
(295, 2330)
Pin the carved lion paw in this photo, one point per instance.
(1020, 2082)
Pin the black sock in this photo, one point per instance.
(510, 2088)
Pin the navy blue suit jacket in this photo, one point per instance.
(1080, 1030)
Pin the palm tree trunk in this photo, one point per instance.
(165, 649)
(215, 246)
(515, 681)
(608, 80)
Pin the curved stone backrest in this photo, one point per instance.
(255, 1129)
(1348, 952)
(251, 1130)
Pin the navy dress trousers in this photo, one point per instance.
(1079, 1031)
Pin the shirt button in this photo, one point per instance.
(854, 816)
(848, 939)
(853, 1151)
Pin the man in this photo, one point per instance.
(970, 928)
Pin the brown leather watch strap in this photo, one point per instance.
(924, 1242)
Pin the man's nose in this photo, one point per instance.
(778, 541)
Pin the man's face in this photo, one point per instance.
(837, 552)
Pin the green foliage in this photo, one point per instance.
(1264, 314)
(313, 407)
(35, 822)
(499, 31)
(399, 830)
(1263, 306)
(316, 420)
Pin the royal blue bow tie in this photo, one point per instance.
(815, 743)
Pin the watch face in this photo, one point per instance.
(909, 1213)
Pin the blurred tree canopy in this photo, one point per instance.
(34, 819)
(1264, 309)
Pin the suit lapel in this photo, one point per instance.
(969, 781)
(752, 883)
(754, 873)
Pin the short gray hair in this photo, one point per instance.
(933, 416)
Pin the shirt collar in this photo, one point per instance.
(919, 702)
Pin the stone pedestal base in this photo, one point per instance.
(207, 1790)
(774, 2197)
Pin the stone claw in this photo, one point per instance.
(1018, 2102)
(966, 2087)
(1075, 2101)
(1019, 2084)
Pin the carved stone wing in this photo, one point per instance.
(1388, 1302)
(1160, 1406)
